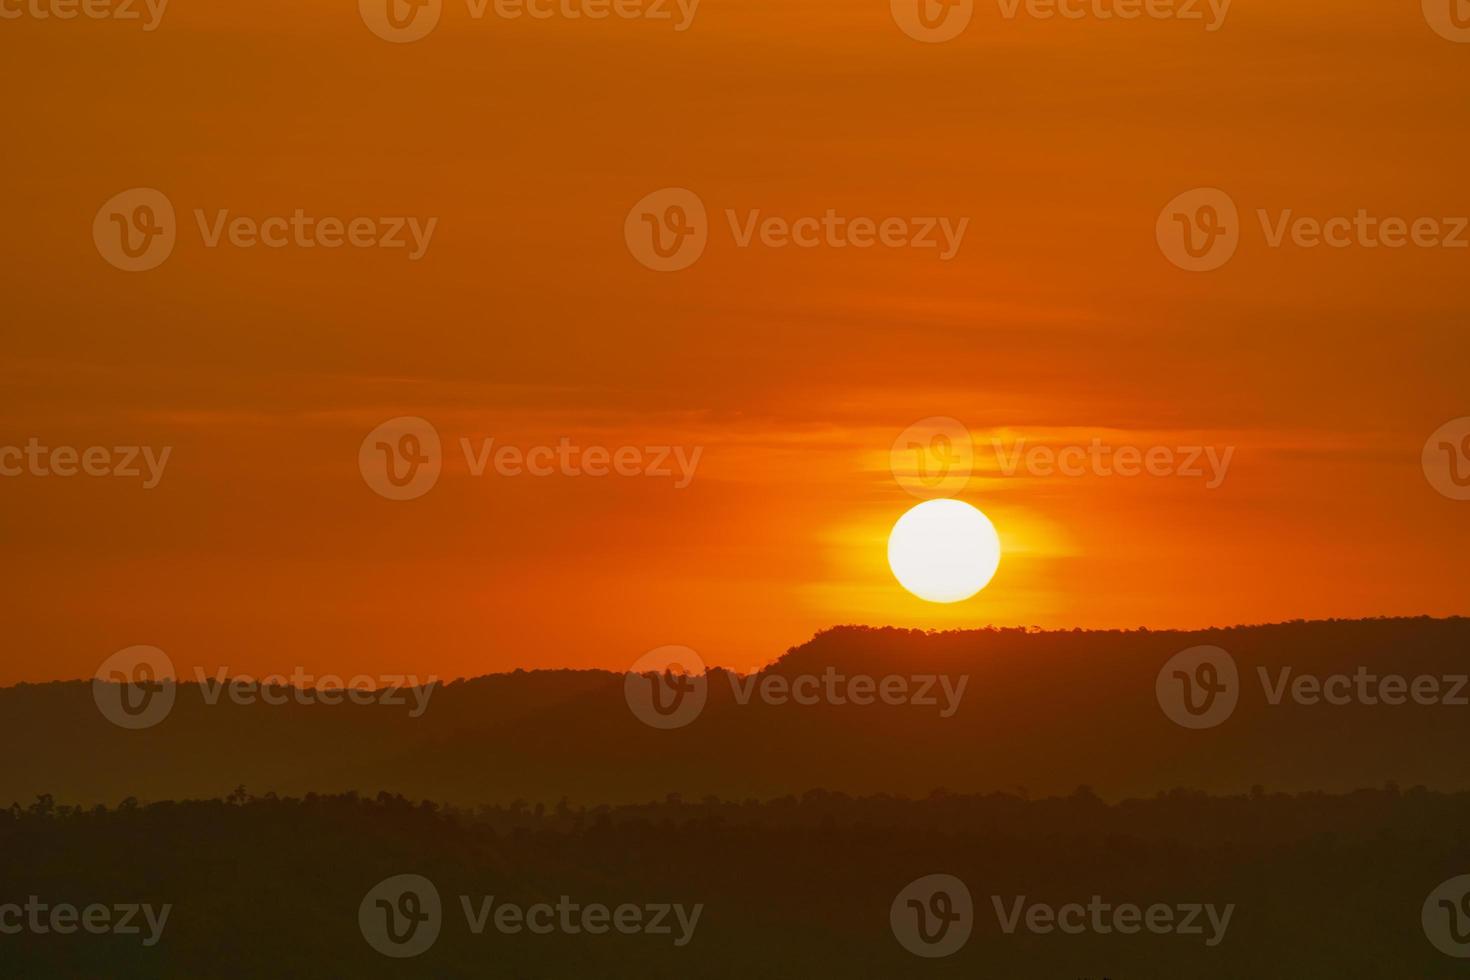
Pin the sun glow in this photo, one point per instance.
(943, 550)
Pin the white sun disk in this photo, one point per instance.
(943, 550)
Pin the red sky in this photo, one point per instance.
(1059, 321)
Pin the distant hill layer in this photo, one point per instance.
(1334, 705)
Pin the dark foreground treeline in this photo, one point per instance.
(1323, 886)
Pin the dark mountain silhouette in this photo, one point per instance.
(1041, 713)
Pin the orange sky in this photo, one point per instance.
(1059, 320)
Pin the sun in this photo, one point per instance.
(943, 550)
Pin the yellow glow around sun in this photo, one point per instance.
(943, 550)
